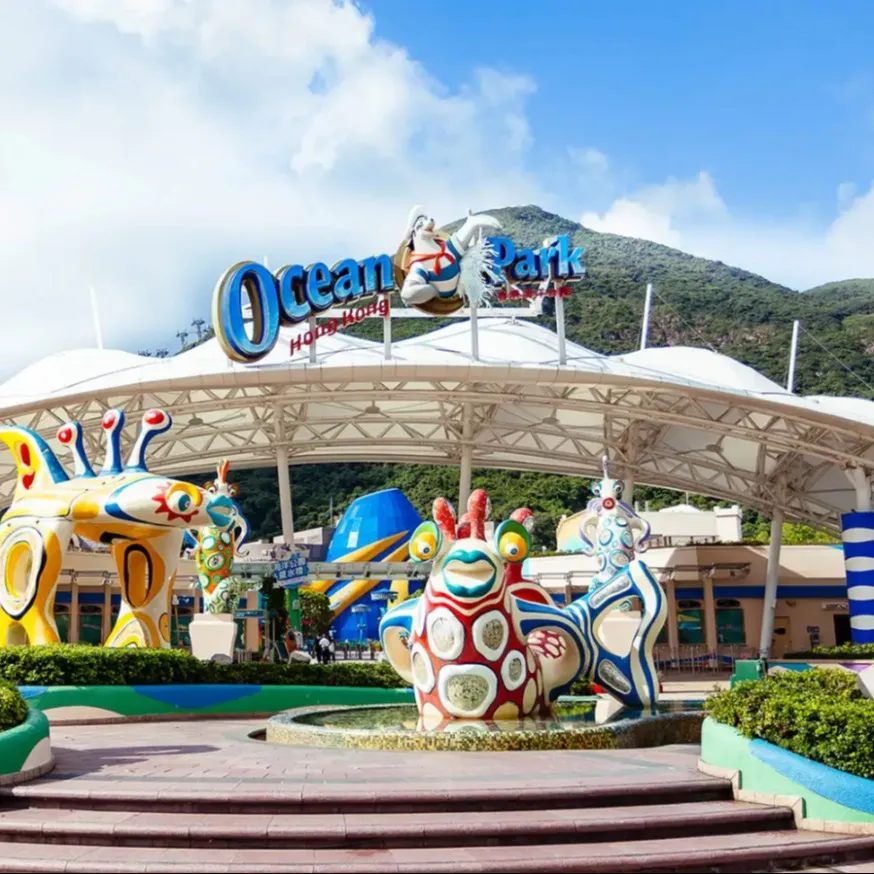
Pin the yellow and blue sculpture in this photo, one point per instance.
(481, 643)
(142, 517)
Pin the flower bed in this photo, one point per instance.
(818, 714)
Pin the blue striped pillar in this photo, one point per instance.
(857, 531)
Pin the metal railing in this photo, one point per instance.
(699, 658)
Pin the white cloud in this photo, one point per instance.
(692, 216)
(148, 144)
(590, 161)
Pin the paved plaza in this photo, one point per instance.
(202, 796)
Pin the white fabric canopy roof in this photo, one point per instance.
(685, 418)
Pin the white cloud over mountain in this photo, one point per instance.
(691, 215)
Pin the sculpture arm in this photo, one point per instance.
(641, 530)
(472, 226)
(589, 532)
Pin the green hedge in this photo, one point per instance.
(819, 714)
(842, 652)
(13, 709)
(75, 665)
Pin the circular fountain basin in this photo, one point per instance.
(573, 726)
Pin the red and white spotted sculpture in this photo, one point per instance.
(482, 643)
(466, 654)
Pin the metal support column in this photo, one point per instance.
(772, 579)
(466, 469)
(793, 356)
(560, 328)
(284, 474)
(647, 306)
(386, 330)
(474, 334)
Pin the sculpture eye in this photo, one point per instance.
(513, 541)
(426, 542)
(618, 490)
(183, 498)
(596, 489)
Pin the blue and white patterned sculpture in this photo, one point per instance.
(611, 530)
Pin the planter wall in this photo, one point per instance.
(846, 664)
(823, 798)
(78, 704)
(25, 751)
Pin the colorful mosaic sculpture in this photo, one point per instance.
(484, 643)
(215, 550)
(611, 530)
(141, 516)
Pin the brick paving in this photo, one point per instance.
(221, 753)
(204, 796)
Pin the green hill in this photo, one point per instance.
(698, 302)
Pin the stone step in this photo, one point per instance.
(714, 853)
(324, 798)
(389, 830)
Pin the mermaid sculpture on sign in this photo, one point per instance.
(611, 530)
(442, 271)
(481, 642)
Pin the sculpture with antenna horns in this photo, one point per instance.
(141, 516)
(611, 529)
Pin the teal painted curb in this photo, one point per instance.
(16, 744)
(76, 703)
(828, 795)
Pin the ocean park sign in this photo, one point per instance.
(432, 271)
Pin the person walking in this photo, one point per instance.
(324, 649)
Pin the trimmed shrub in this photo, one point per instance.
(13, 708)
(80, 665)
(842, 652)
(74, 665)
(819, 714)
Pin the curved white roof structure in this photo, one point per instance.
(684, 418)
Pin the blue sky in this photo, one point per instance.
(775, 98)
(148, 146)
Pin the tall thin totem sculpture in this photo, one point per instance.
(141, 516)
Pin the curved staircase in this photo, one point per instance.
(693, 825)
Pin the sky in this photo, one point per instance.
(147, 145)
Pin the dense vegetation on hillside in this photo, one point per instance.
(698, 302)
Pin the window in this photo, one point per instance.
(179, 636)
(730, 622)
(62, 620)
(690, 622)
(91, 624)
